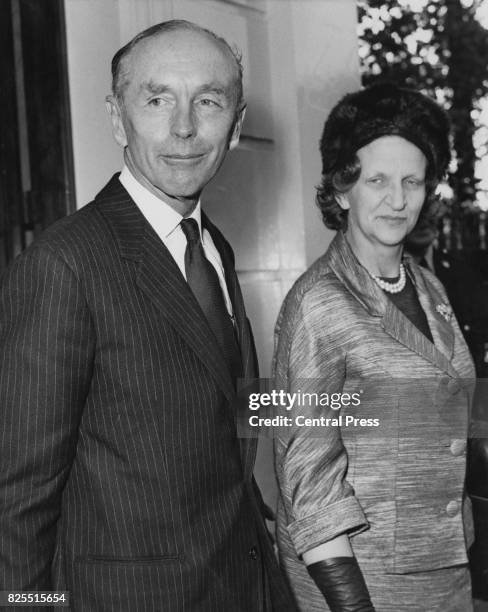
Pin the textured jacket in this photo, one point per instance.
(397, 489)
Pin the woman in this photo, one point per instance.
(375, 520)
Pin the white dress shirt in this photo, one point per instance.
(166, 223)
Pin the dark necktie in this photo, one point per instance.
(204, 282)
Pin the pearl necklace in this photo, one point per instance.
(392, 287)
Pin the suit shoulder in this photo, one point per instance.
(77, 223)
(86, 226)
(71, 239)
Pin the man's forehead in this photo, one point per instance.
(187, 57)
(181, 48)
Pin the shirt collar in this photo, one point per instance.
(159, 213)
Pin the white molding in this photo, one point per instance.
(253, 5)
(137, 15)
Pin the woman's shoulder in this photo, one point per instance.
(314, 295)
(318, 278)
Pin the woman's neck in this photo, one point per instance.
(380, 260)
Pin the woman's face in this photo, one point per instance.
(385, 202)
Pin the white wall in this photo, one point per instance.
(327, 67)
(92, 30)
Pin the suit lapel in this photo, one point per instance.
(160, 279)
(248, 446)
(246, 343)
(354, 276)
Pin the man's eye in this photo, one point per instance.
(156, 102)
(376, 180)
(208, 102)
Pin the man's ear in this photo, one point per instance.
(343, 201)
(236, 131)
(113, 108)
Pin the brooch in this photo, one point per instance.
(444, 310)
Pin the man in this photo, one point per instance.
(122, 333)
(468, 294)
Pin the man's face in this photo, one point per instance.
(178, 115)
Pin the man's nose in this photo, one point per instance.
(183, 122)
(396, 197)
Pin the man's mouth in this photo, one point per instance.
(183, 157)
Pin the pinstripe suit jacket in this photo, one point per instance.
(121, 478)
(397, 489)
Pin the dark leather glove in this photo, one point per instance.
(342, 584)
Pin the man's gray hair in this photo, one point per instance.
(119, 73)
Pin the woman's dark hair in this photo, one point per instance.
(363, 116)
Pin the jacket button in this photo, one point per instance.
(453, 387)
(452, 508)
(458, 447)
(253, 553)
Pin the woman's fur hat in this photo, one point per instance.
(386, 110)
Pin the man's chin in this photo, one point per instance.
(182, 192)
(185, 196)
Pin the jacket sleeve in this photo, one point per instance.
(311, 462)
(46, 357)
